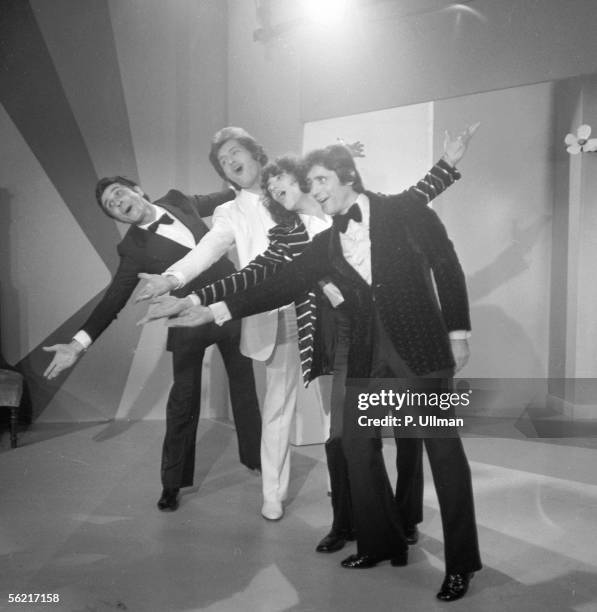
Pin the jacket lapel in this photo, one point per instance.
(137, 237)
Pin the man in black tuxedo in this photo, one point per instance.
(161, 233)
(382, 252)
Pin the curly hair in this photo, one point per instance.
(242, 137)
(286, 164)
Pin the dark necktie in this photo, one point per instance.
(341, 221)
(164, 219)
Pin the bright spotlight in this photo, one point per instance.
(325, 11)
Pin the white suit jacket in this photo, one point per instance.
(244, 223)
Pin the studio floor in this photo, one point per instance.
(78, 519)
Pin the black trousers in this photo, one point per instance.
(409, 460)
(377, 518)
(183, 407)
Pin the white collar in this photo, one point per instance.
(159, 211)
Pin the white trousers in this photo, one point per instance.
(282, 376)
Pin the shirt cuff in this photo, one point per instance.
(178, 276)
(82, 337)
(220, 312)
(460, 334)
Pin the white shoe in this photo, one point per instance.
(272, 511)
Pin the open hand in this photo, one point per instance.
(193, 316)
(163, 307)
(455, 146)
(65, 356)
(357, 148)
(156, 285)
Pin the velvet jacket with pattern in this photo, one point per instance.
(409, 250)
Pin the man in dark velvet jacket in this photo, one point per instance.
(382, 253)
(160, 234)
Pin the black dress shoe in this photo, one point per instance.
(454, 586)
(366, 561)
(169, 500)
(334, 541)
(412, 534)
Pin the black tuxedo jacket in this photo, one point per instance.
(409, 246)
(143, 251)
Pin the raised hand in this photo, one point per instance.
(156, 285)
(357, 148)
(455, 146)
(165, 306)
(192, 317)
(65, 356)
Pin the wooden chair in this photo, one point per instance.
(11, 391)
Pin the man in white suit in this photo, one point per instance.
(269, 337)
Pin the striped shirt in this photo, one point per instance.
(286, 243)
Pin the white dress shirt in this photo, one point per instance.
(356, 243)
(176, 231)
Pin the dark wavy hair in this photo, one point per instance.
(339, 159)
(286, 164)
(105, 182)
(242, 137)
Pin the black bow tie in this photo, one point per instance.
(341, 221)
(164, 219)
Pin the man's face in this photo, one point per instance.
(238, 165)
(327, 189)
(285, 190)
(126, 204)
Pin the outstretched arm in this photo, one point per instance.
(212, 246)
(290, 282)
(112, 302)
(254, 273)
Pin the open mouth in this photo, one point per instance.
(238, 169)
(127, 210)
